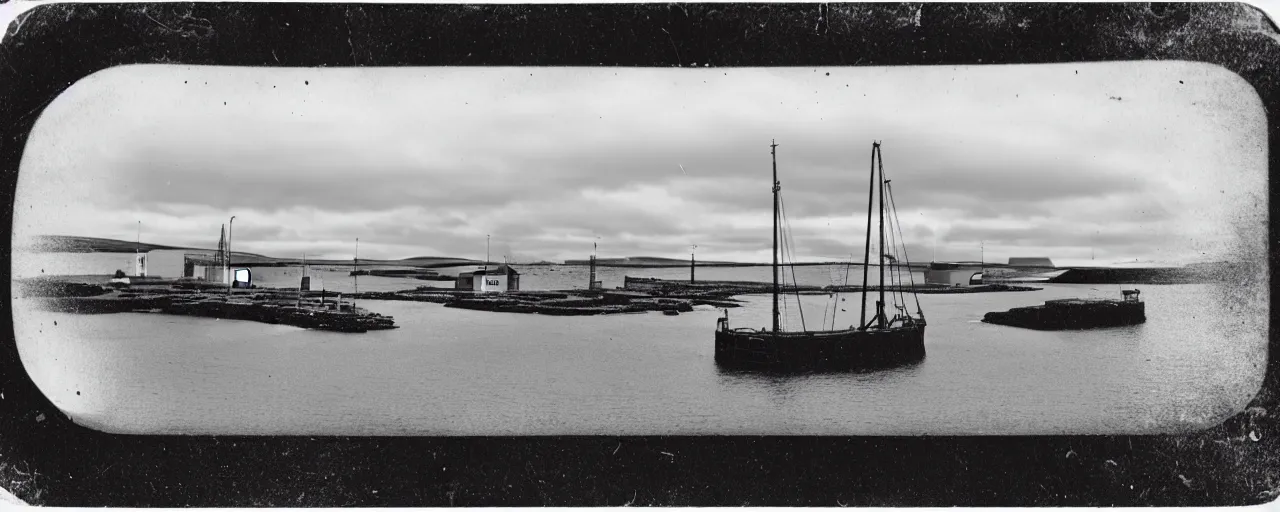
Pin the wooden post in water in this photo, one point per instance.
(591, 276)
(355, 283)
(692, 263)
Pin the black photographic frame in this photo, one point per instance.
(46, 459)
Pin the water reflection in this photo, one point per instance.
(784, 384)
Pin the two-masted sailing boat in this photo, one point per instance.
(879, 341)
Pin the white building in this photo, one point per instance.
(952, 275)
(176, 263)
(500, 279)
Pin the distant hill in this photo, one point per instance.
(60, 243)
(82, 244)
(657, 262)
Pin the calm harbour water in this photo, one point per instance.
(1197, 360)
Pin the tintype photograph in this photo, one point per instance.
(639, 254)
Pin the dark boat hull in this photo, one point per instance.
(819, 351)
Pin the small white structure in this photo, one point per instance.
(500, 279)
(162, 263)
(949, 275)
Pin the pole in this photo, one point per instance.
(866, 256)
(230, 277)
(486, 255)
(137, 251)
(773, 150)
(880, 305)
(692, 263)
(355, 268)
(304, 274)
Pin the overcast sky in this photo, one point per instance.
(1161, 161)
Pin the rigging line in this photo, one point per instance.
(901, 239)
(824, 320)
(782, 256)
(907, 257)
(885, 281)
(833, 298)
(847, 266)
(896, 239)
(902, 294)
(896, 270)
(788, 246)
(791, 244)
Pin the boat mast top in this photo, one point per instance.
(773, 150)
(866, 256)
(881, 305)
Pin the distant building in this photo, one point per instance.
(161, 263)
(952, 275)
(203, 265)
(500, 279)
(1031, 262)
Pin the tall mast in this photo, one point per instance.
(880, 307)
(773, 150)
(866, 257)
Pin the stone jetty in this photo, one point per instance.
(1073, 314)
(681, 288)
(266, 306)
(560, 303)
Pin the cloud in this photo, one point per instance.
(648, 161)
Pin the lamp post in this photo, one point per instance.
(231, 278)
(982, 256)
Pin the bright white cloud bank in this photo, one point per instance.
(1155, 160)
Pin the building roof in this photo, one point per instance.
(1030, 262)
(500, 269)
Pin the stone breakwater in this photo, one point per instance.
(560, 303)
(1071, 314)
(319, 310)
(675, 288)
(266, 306)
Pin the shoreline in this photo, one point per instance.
(322, 310)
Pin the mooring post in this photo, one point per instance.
(692, 263)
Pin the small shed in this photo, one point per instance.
(161, 263)
(500, 279)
